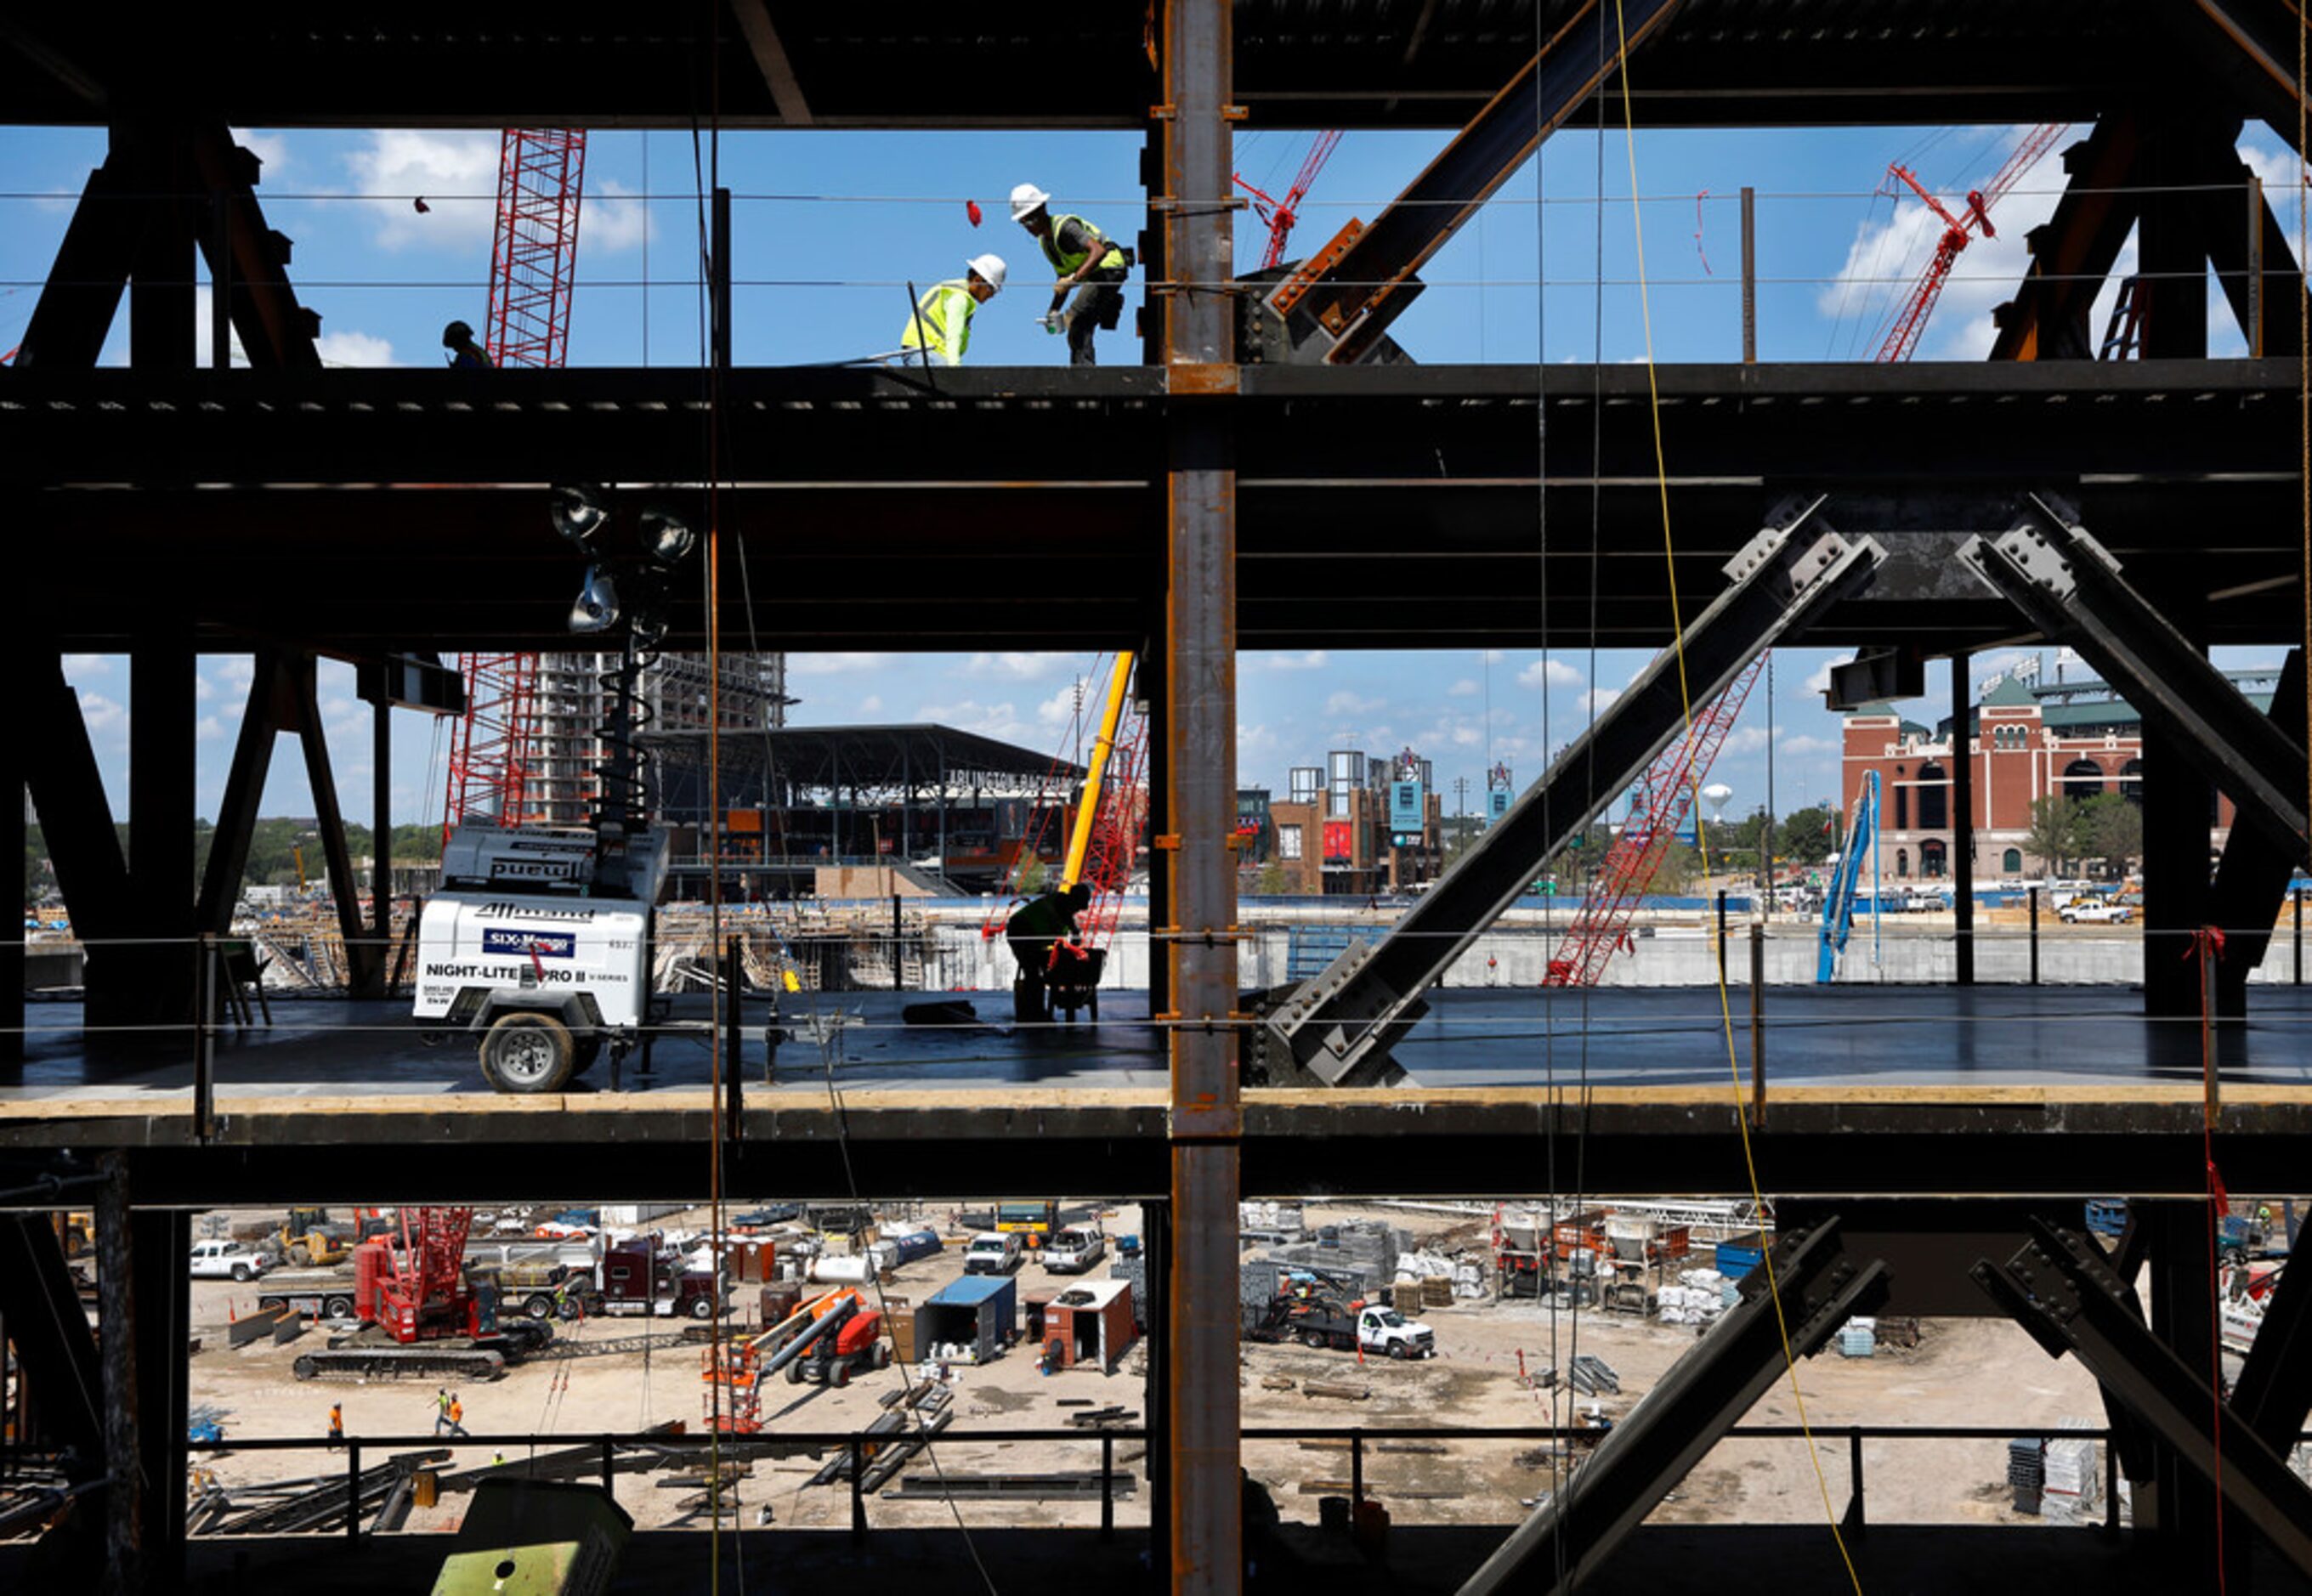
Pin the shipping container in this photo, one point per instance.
(977, 1316)
(1089, 1324)
(1737, 1257)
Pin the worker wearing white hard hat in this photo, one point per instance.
(941, 325)
(1088, 266)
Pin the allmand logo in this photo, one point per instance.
(545, 945)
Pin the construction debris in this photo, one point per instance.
(1349, 1394)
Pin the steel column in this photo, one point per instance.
(2253, 876)
(244, 791)
(161, 323)
(162, 1327)
(1198, 939)
(14, 757)
(162, 805)
(56, 1354)
(117, 1350)
(1962, 815)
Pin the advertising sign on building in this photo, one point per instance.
(1497, 804)
(1340, 841)
(1404, 811)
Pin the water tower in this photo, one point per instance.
(1717, 795)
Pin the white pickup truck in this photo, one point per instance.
(1073, 1251)
(225, 1260)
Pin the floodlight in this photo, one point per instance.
(667, 538)
(580, 514)
(597, 608)
(648, 626)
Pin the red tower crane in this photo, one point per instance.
(1282, 214)
(1658, 805)
(1958, 232)
(533, 263)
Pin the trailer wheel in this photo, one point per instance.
(538, 1305)
(527, 1052)
(338, 1307)
(1313, 1339)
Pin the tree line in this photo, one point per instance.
(275, 846)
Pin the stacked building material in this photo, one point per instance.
(1699, 1297)
(1134, 1269)
(2071, 1491)
(1858, 1337)
(1592, 1376)
(2027, 1472)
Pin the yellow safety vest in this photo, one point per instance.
(943, 321)
(1066, 264)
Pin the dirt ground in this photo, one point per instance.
(1964, 1372)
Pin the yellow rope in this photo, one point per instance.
(1686, 704)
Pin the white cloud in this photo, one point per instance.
(834, 665)
(351, 348)
(611, 219)
(1466, 737)
(1598, 699)
(271, 148)
(1345, 702)
(1494, 655)
(1464, 688)
(209, 729)
(1805, 745)
(1818, 684)
(1314, 659)
(872, 704)
(1017, 668)
(239, 670)
(1554, 673)
(1254, 740)
(1056, 712)
(455, 173)
(202, 690)
(101, 713)
(991, 720)
(87, 665)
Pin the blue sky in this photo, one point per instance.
(830, 227)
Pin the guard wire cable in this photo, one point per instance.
(1685, 708)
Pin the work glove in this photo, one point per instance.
(1052, 321)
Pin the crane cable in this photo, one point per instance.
(1686, 704)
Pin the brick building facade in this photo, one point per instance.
(2028, 741)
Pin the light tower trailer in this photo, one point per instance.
(539, 946)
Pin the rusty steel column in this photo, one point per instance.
(1199, 347)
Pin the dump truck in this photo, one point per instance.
(313, 1294)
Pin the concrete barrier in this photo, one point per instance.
(288, 1327)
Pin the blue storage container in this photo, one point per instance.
(979, 1313)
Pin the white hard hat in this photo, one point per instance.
(990, 267)
(1028, 199)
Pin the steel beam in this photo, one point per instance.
(56, 1352)
(2248, 46)
(2274, 1393)
(2060, 1290)
(1339, 1027)
(1567, 1539)
(163, 1330)
(244, 791)
(2072, 252)
(1337, 307)
(152, 978)
(68, 795)
(2252, 877)
(361, 953)
(87, 279)
(1198, 938)
(276, 332)
(2069, 587)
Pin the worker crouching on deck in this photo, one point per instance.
(942, 323)
(1035, 929)
(1088, 266)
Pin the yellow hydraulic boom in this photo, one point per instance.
(1088, 809)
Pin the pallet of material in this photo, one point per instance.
(1016, 1487)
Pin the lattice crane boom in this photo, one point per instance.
(1958, 232)
(533, 269)
(1662, 800)
(1282, 214)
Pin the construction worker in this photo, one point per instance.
(442, 1402)
(337, 1425)
(465, 355)
(1034, 930)
(1088, 266)
(942, 323)
(457, 1416)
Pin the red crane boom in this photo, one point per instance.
(1282, 214)
(1958, 232)
(533, 264)
(1658, 805)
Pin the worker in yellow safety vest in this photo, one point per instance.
(1088, 266)
(942, 323)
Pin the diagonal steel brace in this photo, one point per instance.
(2063, 1290)
(2069, 587)
(1704, 1394)
(1340, 1026)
